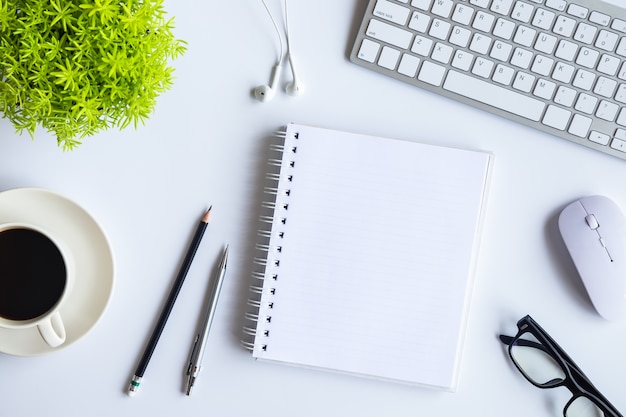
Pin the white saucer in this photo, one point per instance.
(94, 264)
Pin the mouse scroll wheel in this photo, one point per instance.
(592, 221)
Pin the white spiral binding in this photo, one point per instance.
(268, 262)
(258, 275)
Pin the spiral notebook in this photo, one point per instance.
(366, 255)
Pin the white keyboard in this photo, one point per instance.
(554, 65)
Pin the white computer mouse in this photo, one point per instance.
(594, 231)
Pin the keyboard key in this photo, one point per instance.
(584, 79)
(480, 3)
(607, 110)
(618, 144)
(556, 117)
(608, 64)
(369, 50)
(422, 46)
(587, 57)
(504, 28)
(431, 73)
(606, 40)
(586, 103)
(392, 12)
(390, 34)
(442, 53)
(419, 22)
(463, 14)
(522, 11)
(599, 18)
(578, 11)
(544, 89)
(556, 5)
(564, 26)
(605, 87)
(462, 60)
(545, 43)
(563, 72)
(389, 58)
(440, 29)
(494, 95)
(521, 58)
(566, 50)
(482, 67)
(408, 65)
(542, 65)
(565, 96)
(442, 7)
(501, 6)
(543, 19)
(619, 25)
(460, 36)
(422, 4)
(501, 51)
(580, 126)
(480, 43)
(524, 82)
(503, 74)
(598, 137)
(525, 36)
(585, 33)
(483, 21)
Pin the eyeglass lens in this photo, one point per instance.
(536, 364)
(582, 407)
(543, 370)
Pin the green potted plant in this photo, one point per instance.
(77, 67)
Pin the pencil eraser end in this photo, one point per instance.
(134, 386)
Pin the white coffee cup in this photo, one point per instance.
(36, 276)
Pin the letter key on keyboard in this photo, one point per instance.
(556, 65)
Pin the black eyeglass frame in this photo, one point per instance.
(575, 380)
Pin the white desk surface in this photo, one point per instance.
(205, 144)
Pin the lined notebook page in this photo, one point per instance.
(376, 256)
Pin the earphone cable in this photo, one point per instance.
(280, 39)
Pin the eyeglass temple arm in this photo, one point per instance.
(507, 340)
(522, 342)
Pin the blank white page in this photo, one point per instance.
(373, 256)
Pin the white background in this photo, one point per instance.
(206, 144)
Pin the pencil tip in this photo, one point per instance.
(190, 385)
(224, 259)
(206, 216)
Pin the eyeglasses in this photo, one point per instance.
(544, 364)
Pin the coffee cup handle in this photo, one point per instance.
(53, 330)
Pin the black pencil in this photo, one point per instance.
(167, 308)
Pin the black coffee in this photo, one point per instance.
(32, 274)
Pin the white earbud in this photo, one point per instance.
(266, 92)
(295, 87)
